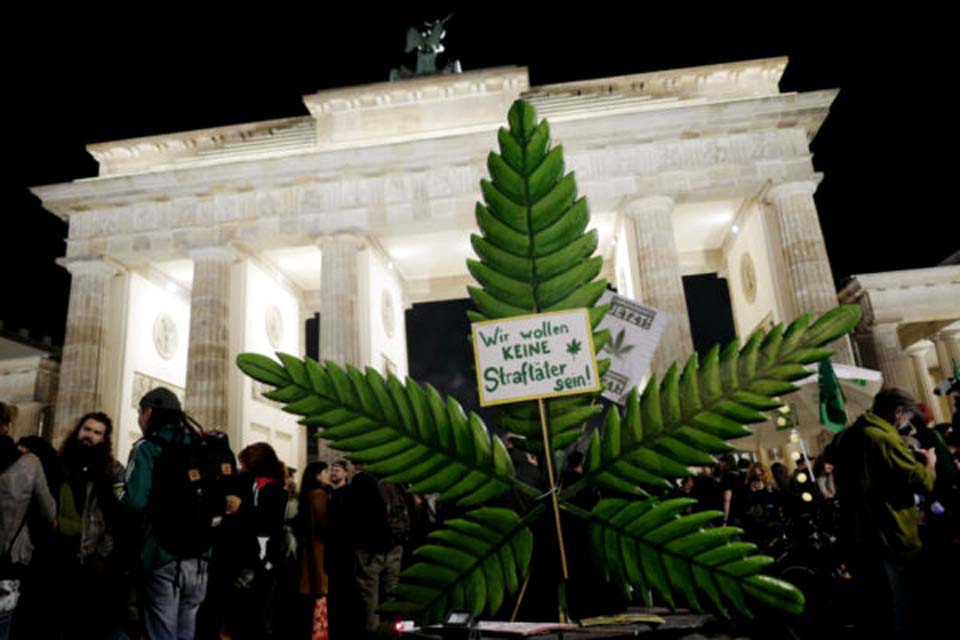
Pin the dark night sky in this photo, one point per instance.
(887, 201)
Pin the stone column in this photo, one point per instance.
(659, 276)
(940, 342)
(804, 255)
(79, 387)
(948, 350)
(951, 344)
(339, 299)
(943, 354)
(209, 350)
(924, 384)
(890, 359)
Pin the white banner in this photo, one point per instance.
(535, 356)
(635, 331)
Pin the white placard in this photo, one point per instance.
(635, 331)
(535, 356)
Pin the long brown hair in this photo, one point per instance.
(758, 471)
(70, 444)
(102, 463)
(261, 460)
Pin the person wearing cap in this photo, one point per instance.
(877, 477)
(173, 588)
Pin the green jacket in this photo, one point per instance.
(877, 477)
(136, 494)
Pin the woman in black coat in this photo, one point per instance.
(262, 516)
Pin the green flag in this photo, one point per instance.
(833, 413)
(956, 370)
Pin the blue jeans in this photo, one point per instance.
(172, 594)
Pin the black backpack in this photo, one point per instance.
(188, 493)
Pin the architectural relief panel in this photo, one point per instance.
(142, 383)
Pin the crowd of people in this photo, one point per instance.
(885, 494)
(189, 541)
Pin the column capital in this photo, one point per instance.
(919, 349)
(220, 253)
(950, 333)
(785, 189)
(94, 266)
(359, 241)
(637, 207)
(884, 327)
(889, 332)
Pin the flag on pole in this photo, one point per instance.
(833, 413)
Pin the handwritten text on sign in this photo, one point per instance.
(536, 356)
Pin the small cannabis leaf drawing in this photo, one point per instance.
(617, 348)
(573, 347)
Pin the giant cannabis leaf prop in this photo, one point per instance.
(536, 256)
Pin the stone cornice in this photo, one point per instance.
(749, 78)
(905, 279)
(417, 90)
(625, 132)
(416, 108)
(915, 295)
(659, 120)
(157, 153)
(691, 170)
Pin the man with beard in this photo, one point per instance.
(92, 480)
(338, 474)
